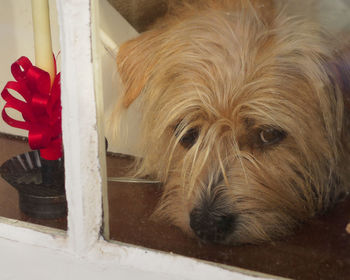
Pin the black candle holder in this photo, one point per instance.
(40, 184)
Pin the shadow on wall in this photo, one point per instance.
(140, 13)
(333, 15)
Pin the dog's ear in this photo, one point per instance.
(135, 60)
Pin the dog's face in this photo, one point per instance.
(242, 121)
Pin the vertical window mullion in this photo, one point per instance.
(80, 137)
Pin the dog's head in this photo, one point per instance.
(242, 121)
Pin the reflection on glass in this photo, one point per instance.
(237, 109)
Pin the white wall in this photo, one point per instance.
(16, 37)
(113, 31)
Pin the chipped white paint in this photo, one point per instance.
(32, 234)
(80, 253)
(83, 180)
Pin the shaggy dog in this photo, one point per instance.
(243, 118)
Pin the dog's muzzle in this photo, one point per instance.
(210, 227)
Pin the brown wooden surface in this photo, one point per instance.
(320, 249)
(9, 208)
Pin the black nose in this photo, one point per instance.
(211, 227)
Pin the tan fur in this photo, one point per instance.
(230, 69)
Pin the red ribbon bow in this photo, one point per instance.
(41, 109)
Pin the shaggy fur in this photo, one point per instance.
(243, 118)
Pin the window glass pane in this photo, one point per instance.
(32, 183)
(233, 111)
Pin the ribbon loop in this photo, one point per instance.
(41, 109)
(20, 68)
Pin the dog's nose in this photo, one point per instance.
(210, 227)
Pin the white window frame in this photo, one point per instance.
(81, 250)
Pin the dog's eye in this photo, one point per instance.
(189, 138)
(270, 136)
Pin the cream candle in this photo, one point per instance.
(42, 37)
